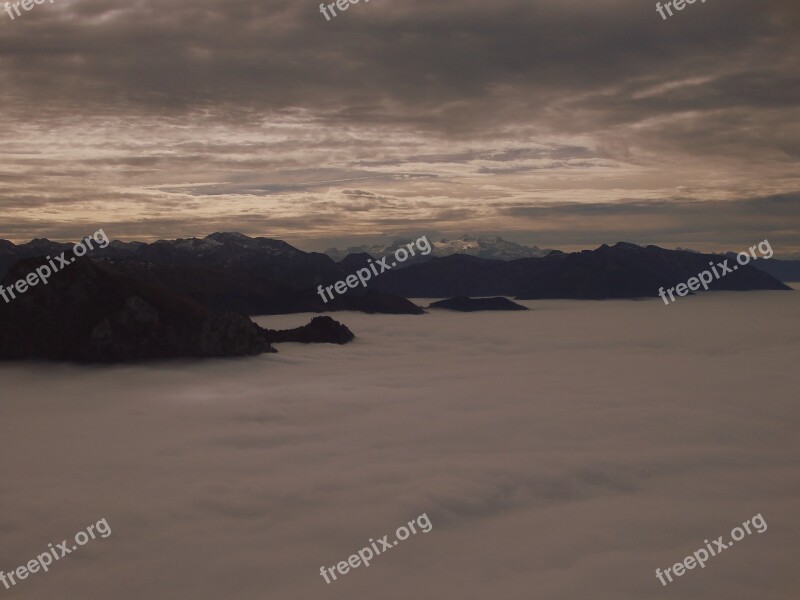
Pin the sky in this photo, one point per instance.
(564, 124)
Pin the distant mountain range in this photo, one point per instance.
(620, 271)
(786, 270)
(228, 272)
(492, 248)
(191, 297)
(237, 273)
(783, 270)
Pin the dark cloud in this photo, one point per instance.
(117, 57)
(186, 112)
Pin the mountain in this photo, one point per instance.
(491, 248)
(11, 253)
(319, 330)
(786, 270)
(231, 272)
(499, 249)
(274, 259)
(248, 291)
(620, 271)
(783, 270)
(93, 312)
(228, 272)
(464, 304)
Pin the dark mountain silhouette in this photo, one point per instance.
(248, 292)
(233, 272)
(482, 247)
(464, 304)
(620, 271)
(782, 270)
(457, 275)
(630, 271)
(319, 330)
(373, 301)
(91, 312)
(11, 253)
(230, 272)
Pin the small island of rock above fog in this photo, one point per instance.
(321, 330)
(464, 304)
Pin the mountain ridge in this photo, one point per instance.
(229, 271)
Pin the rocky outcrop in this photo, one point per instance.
(374, 302)
(90, 312)
(464, 304)
(320, 330)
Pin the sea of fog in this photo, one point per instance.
(560, 453)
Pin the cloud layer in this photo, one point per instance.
(166, 120)
(566, 451)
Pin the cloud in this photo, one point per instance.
(199, 110)
(245, 476)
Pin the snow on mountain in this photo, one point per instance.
(491, 248)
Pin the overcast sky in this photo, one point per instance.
(562, 123)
